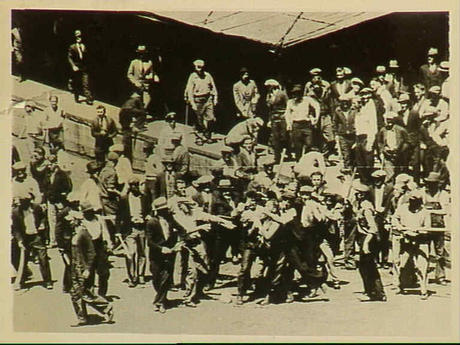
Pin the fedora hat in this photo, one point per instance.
(393, 64)
(225, 184)
(160, 203)
(433, 177)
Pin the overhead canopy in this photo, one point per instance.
(278, 29)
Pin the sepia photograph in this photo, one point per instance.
(247, 173)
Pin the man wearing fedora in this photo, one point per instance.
(83, 256)
(142, 76)
(77, 56)
(201, 94)
(429, 72)
(437, 201)
(166, 179)
(162, 241)
(134, 209)
(246, 95)
(393, 81)
(103, 129)
(392, 143)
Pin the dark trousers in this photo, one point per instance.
(161, 267)
(66, 279)
(364, 160)
(372, 282)
(35, 243)
(349, 241)
(218, 244)
(301, 137)
(244, 275)
(279, 138)
(101, 148)
(303, 256)
(81, 297)
(278, 271)
(438, 241)
(80, 85)
(128, 144)
(346, 142)
(384, 243)
(101, 268)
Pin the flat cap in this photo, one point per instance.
(404, 98)
(19, 166)
(113, 156)
(117, 148)
(198, 63)
(358, 186)
(206, 179)
(432, 51)
(357, 81)
(226, 149)
(306, 189)
(315, 71)
(379, 173)
(380, 69)
(347, 71)
(271, 82)
(435, 89)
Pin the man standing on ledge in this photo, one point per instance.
(201, 94)
(78, 60)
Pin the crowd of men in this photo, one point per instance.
(349, 164)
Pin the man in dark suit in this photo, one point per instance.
(392, 141)
(162, 240)
(430, 75)
(78, 59)
(410, 120)
(59, 185)
(339, 88)
(103, 129)
(344, 128)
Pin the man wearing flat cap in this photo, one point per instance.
(276, 100)
(366, 131)
(246, 95)
(343, 122)
(132, 118)
(77, 57)
(110, 193)
(302, 116)
(339, 87)
(28, 221)
(201, 94)
(435, 100)
(317, 80)
(143, 76)
(430, 75)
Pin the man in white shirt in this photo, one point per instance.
(302, 115)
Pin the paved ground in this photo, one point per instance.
(337, 313)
